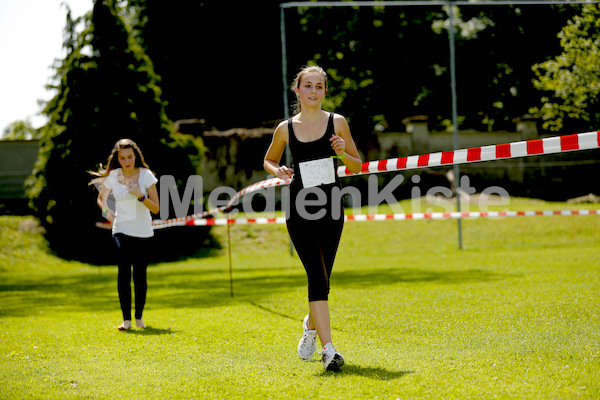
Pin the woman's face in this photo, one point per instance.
(312, 89)
(126, 158)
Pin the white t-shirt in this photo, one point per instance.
(132, 218)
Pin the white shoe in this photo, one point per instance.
(308, 342)
(332, 360)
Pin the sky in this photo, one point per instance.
(31, 36)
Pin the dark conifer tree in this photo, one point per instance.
(106, 90)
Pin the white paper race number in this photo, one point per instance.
(317, 172)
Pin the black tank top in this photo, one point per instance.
(308, 151)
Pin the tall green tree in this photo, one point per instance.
(219, 60)
(388, 63)
(572, 79)
(106, 90)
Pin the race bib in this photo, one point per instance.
(317, 172)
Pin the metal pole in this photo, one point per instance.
(429, 3)
(286, 106)
(454, 117)
(286, 109)
(229, 251)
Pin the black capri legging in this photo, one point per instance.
(132, 253)
(316, 243)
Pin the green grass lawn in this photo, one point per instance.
(514, 315)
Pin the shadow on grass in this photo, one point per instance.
(377, 373)
(78, 293)
(386, 276)
(267, 309)
(202, 287)
(167, 288)
(150, 331)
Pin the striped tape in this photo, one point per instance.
(551, 145)
(379, 217)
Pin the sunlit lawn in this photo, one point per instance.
(512, 315)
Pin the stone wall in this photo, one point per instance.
(17, 158)
(419, 140)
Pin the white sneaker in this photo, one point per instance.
(308, 342)
(332, 360)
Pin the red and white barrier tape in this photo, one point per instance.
(379, 217)
(551, 145)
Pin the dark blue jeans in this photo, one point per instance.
(132, 255)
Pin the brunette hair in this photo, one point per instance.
(113, 162)
(296, 85)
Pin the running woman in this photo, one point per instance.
(129, 180)
(317, 140)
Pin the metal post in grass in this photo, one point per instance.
(454, 116)
(286, 106)
(229, 251)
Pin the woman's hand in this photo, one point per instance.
(284, 173)
(135, 190)
(102, 196)
(338, 144)
(109, 215)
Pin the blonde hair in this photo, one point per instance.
(296, 85)
(113, 162)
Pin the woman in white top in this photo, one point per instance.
(129, 180)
